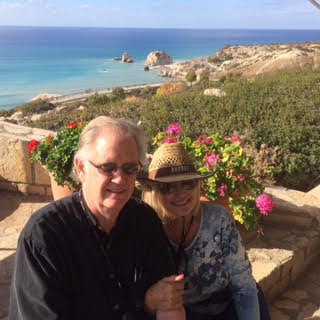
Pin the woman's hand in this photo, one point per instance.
(166, 294)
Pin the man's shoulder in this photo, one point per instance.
(51, 217)
(142, 209)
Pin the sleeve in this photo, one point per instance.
(243, 285)
(160, 261)
(37, 289)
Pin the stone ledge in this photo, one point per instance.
(282, 255)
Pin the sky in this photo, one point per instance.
(247, 14)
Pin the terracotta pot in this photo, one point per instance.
(59, 192)
(246, 235)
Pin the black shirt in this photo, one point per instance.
(61, 273)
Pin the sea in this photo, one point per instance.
(66, 60)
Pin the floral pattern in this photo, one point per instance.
(216, 260)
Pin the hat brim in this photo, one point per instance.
(176, 177)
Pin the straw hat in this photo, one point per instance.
(171, 163)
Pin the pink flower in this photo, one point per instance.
(223, 190)
(174, 129)
(204, 140)
(242, 178)
(170, 140)
(211, 159)
(265, 204)
(235, 139)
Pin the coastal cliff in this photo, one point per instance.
(250, 61)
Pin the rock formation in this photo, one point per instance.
(250, 61)
(127, 58)
(158, 58)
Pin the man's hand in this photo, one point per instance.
(166, 294)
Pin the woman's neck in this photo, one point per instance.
(182, 228)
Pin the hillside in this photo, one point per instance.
(250, 61)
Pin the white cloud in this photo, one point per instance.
(10, 5)
(84, 6)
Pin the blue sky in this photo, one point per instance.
(262, 14)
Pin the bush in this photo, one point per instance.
(278, 116)
(118, 94)
(172, 88)
(36, 106)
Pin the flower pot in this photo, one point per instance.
(246, 235)
(59, 192)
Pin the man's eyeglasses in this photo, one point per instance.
(168, 188)
(110, 168)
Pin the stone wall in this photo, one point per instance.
(17, 173)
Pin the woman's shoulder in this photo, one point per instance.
(215, 211)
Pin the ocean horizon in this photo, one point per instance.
(65, 60)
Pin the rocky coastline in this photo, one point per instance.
(248, 61)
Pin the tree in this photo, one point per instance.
(191, 76)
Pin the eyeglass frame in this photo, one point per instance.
(116, 168)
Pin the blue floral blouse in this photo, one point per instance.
(217, 259)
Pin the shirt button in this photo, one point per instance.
(116, 307)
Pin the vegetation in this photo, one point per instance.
(191, 76)
(276, 117)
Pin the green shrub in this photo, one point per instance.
(36, 106)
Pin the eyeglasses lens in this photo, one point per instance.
(167, 188)
(129, 168)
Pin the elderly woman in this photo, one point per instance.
(204, 239)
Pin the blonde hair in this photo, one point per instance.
(152, 197)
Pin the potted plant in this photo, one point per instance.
(233, 184)
(55, 153)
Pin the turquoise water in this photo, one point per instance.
(34, 60)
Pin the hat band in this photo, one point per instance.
(163, 172)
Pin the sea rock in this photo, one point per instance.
(214, 92)
(127, 58)
(146, 68)
(17, 116)
(45, 96)
(158, 58)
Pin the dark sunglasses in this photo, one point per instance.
(168, 188)
(110, 168)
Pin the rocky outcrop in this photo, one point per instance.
(127, 58)
(158, 58)
(214, 92)
(250, 61)
(45, 96)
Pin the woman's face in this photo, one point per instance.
(179, 198)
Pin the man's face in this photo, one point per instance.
(107, 192)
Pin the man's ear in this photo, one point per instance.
(80, 168)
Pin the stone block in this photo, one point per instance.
(286, 267)
(14, 159)
(266, 273)
(278, 287)
(31, 189)
(289, 219)
(313, 246)
(16, 129)
(8, 185)
(278, 315)
(287, 304)
(41, 175)
(299, 265)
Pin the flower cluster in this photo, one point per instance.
(232, 183)
(56, 152)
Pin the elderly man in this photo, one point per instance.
(98, 254)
